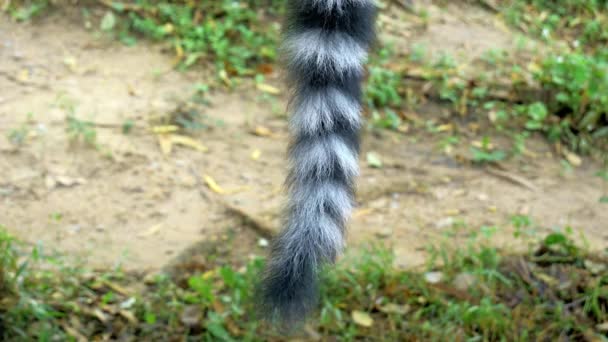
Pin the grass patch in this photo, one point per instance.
(555, 290)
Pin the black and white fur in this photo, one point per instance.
(325, 46)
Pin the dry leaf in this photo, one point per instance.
(602, 327)
(129, 316)
(395, 308)
(573, 159)
(165, 129)
(373, 160)
(268, 88)
(23, 75)
(213, 185)
(445, 128)
(189, 142)
(363, 211)
(68, 182)
(255, 155)
(479, 144)
(71, 63)
(224, 77)
(152, 230)
(166, 145)
(362, 318)
(262, 131)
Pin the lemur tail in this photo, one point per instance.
(326, 43)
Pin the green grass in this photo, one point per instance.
(557, 289)
(561, 91)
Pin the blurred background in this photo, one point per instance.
(143, 147)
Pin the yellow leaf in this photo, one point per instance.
(189, 142)
(362, 318)
(169, 29)
(24, 75)
(533, 67)
(268, 88)
(213, 185)
(262, 131)
(165, 144)
(255, 155)
(165, 129)
(152, 230)
(363, 212)
(444, 128)
(573, 159)
(224, 77)
(479, 144)
(71, 63)
(179, 52)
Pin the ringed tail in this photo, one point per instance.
(325, 48)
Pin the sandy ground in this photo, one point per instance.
(127, 202)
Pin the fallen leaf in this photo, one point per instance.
(362, 318)
(127, 304)
(213, 185)
(452, 212)
(373, 160)
(71, 63)
(268, 88)
(481, 145)
(395, 308)
(68, 181)
(166, 145)
(444, 222)
(594, 267)
(362, 212)
(224, 77)
(108, 21)
(265, 68)
(129, 316)
(152, 230)
(262, 131)
(602, 327)
(573, 159)
(255, 155)
(50, 182)
(189, 142)
(445, 128)
(23, 75)
(165, 129)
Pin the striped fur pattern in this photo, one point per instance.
(325, 46)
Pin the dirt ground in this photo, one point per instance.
(128, 203)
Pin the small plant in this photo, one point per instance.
(81, 131)
(486, 154)
(230, 34)
(27, 9)
(18, 136)
(382, 88)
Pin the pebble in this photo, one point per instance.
(433, 277)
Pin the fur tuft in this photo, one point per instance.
(325, 47)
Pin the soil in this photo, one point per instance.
(128, 203)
